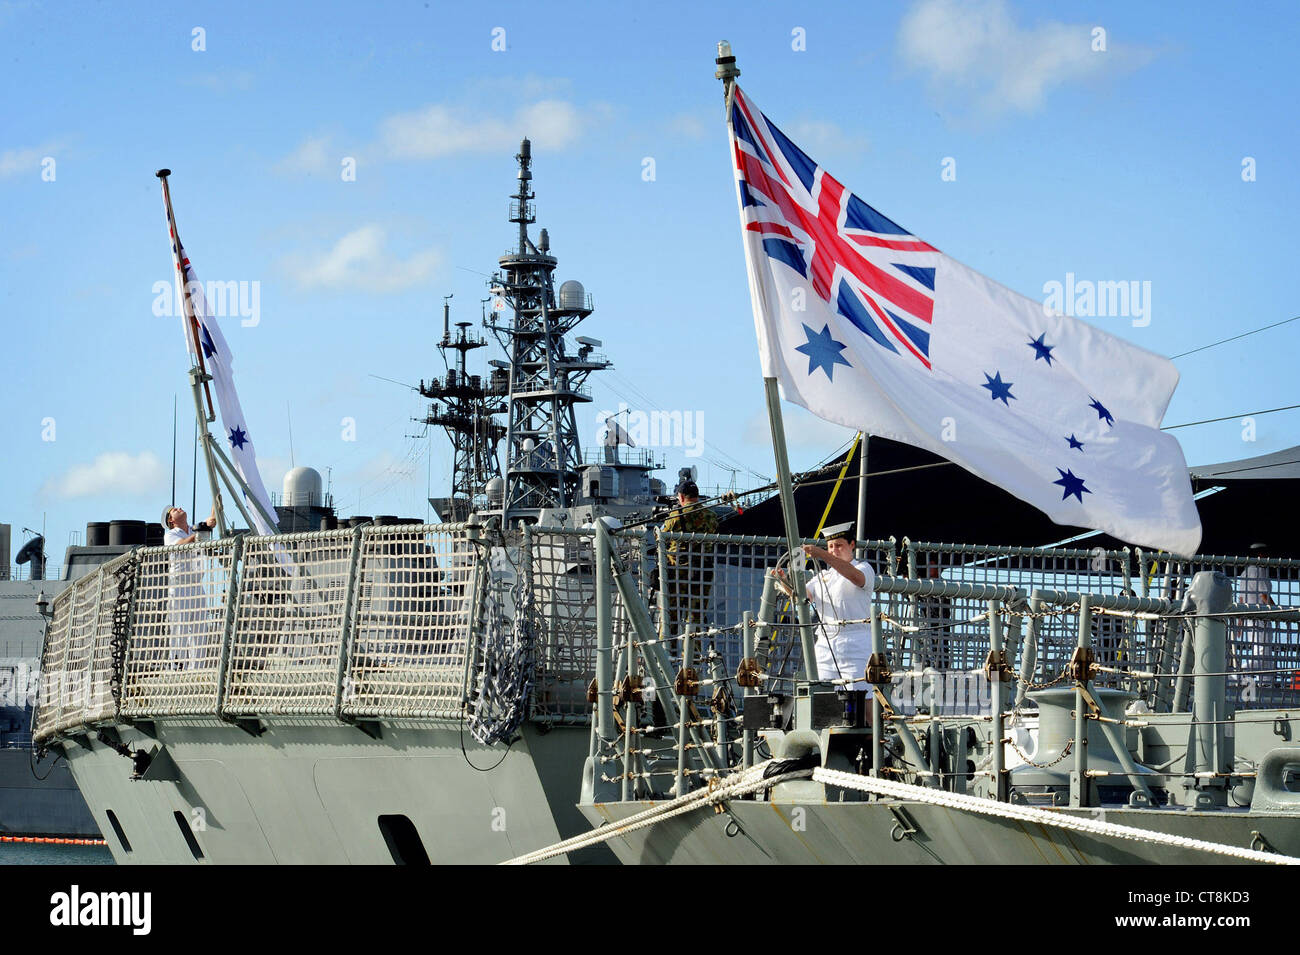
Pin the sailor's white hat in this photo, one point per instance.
(844, 530)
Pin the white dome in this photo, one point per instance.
(572, 295)
(302, 487)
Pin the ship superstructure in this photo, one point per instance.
(468, 409)
(546, 379)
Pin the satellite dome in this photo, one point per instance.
(496, 490)
(572, 295)
(302, 488)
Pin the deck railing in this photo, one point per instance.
(387, 622)
(335, 625)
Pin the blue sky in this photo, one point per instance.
(1122, 164)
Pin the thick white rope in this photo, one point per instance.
(751, 780)
(1033, 814)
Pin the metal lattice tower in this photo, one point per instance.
(543, 451)
(466, 409)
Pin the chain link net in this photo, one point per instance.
(288, 633)
(418, 604)
(173, 659)
(411, 645)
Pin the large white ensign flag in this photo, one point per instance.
(218, 361)
(870, 327)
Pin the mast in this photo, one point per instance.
(727, 71)
(199, 377)
(543, 451)
(466, 409)
(220, 468)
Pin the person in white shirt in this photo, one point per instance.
(1253, 648)
(841, 592)
(185, 595)
(177, 525)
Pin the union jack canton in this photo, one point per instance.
(881, 277)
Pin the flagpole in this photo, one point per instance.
(230, 478)
(864, 441)
(194, 471)
(199, 377)
(231, 474)
(727, 71)
(793, 541)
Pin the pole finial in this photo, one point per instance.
(726, 61)
(163, 173)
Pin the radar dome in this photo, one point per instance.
(496, 491)
(572, 295)
(302, 488)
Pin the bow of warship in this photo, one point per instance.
(375, 691)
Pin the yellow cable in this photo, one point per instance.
(838, 481)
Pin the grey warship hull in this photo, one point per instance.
(309, 698)
(801, 833)
(1188, 752)
(36, 798)
(46, 805)
(302, 794)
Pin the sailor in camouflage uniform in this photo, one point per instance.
(689, 563)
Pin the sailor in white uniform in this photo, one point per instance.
(185, 591)
(1251, 645)
(841, 592)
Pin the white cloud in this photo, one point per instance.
(689, 126)
(14, 162)
(313, 156)
(975, 50)
(361, 260)
(473, 123)
(113, 472)
(273, 469)
(441, 130)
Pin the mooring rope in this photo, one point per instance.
(752, 781)
(1033, 814)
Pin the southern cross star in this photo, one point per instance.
(238, 438)
(1072, 484)
(999, 389)
(1102, 413)
(823, 351)
(1041, 349)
